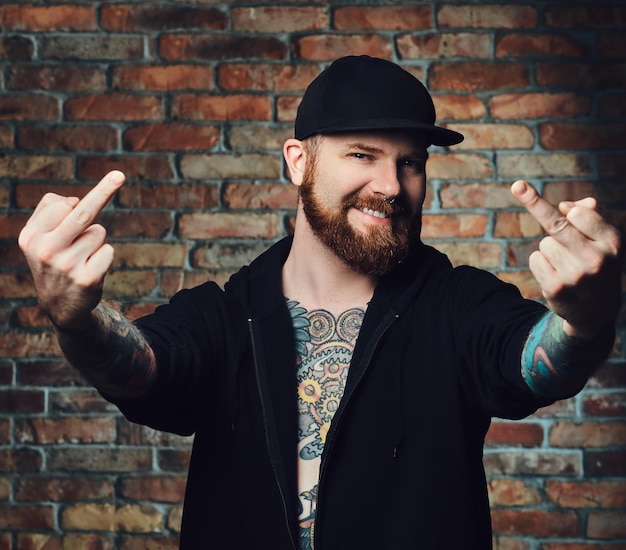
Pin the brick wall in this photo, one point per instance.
(193, 100)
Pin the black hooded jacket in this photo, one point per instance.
(437, 356)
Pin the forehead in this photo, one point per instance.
(386, 141)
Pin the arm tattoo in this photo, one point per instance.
(555, 364)
(113, 354)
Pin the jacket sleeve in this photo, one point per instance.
(491, 323)
(189, 339)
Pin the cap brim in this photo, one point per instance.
(435, 135)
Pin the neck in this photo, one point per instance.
(316, 278)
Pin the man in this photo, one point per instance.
(340, 386)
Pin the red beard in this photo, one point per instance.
(375, 252)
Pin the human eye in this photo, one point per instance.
(360, 156)
(417, 165)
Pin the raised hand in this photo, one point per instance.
(578, 264)
(67, 253)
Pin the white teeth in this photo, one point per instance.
(374, 213)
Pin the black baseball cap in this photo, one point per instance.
(368, 93)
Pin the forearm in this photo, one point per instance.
(557, 365)
(111, 353)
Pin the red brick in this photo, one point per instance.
(107, 517)
(611, 45)
(263, 138)
(230, 107)
(459, 107)
(215, 225)
(238, 166)
(152, 225)
(163, 78)
(444, 45)
(512, 492)
(154, 488)
(132, 255)
(10, 253)
(16, 48)
(486, 255)
(20, 461)
(97, 459)
(149, 167)
(532, 463)
(263, 77)
(487, 17)
(73, 541)
(391, 18)
(606, 525)
(47, 18)
(46, 431)
(328, 47)
(128, 17)
(173, 460)
(171, 137)
(582, 136)
(611, 105)
(601, 463)
(26, 517)
(56, 78)
(130, 433)
(556, 191)
(62, 489)
(588, 434)
(79, 401)
(605, 404)
(476, 195)
(28, 344)
(494, 136)
(139, 542)
(536, 523)
(5, 430)
(555, 165)
(28, 195)
(5, 483)
(539, 105)
(92, 47)
(587, 494)
(68, 138)
(278, 19)
(7, 141)
(164, 195)
(582, 76)
(48, 372)
(588, 16)
(476, 76)
(38, 107)
(516, 225)
(129, 284)
(461, 166)
(539, 45)
(226, 256)
(274, 196)
(114, 107)
(441, 226)
(6, 373)
(181, 47)
(22, 401)
(514, 434)
(37, 167)
(286, 108)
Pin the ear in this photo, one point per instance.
(295, 157)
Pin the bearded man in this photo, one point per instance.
(340, 387)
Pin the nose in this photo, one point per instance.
(387, 179)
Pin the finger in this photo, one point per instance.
(50, 203)
(552, 221)
(100, 261)
(91, 205)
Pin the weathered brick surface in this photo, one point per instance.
(193, 101)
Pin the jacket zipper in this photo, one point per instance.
(266, 432)
(383, 327)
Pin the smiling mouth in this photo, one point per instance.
(375, 213)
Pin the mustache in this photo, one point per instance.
(377, 203)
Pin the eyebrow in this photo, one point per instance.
(358, 146)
